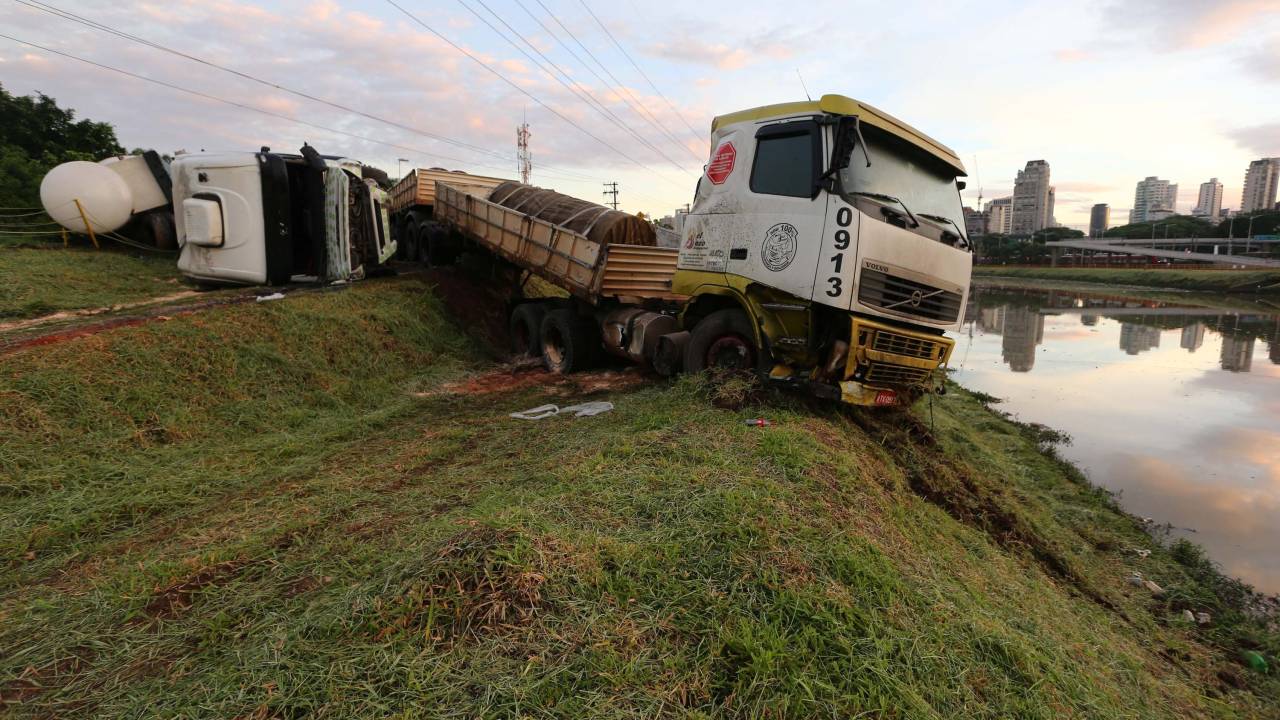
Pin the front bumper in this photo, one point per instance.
(888, 365)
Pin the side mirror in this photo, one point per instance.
(960, 185)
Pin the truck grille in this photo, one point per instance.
(879, 373)
(891, 342)
(896, 294)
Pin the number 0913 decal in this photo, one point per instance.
(841, 239)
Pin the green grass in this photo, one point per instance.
(290, 509)
(40, 279)
(1209, 280)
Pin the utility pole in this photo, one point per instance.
(612, 190)
(522, 152)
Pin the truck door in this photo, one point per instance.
(778, 234)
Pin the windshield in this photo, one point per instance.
(901, 171)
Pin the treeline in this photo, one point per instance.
(1265, 222)
(36, 135)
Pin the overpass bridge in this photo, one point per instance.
(1221, 251)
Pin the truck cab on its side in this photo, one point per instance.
(826, 245)
(273, 218)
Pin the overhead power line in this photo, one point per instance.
(94, 24)
(637, 67)
(244, 106)
(524, 92)
(623, 93)
(580, 91)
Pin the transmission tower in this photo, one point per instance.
(522, 152)
(612, 190)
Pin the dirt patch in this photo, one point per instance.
(477, 304)
(530, 373)
(34, 681)
(475, 584)
(174, 599)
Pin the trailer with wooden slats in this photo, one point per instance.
(621, 298)
(588, 270)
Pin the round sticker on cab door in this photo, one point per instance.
(779, 247)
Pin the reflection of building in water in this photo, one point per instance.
(1237, 354)
(991, 320)
(1023, 330)
(1089, 320)
(1192, 337)
(1273, 351)
(1138, 338)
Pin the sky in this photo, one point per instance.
(1108, 92)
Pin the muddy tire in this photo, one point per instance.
(723, 340)
(525, 329)
(159, 230)
(569, 342)
(435, 246)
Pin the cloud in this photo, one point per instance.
(1071, 55)
(690, 45)
(1261, 140)
(1189, 24)
(1263, 62)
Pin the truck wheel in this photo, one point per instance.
(435, 244)
(525, 329)
(723, 340)
(569, 341)
(160, 230)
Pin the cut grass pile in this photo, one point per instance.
(40, 279)
(305, 508)
(1210, 280)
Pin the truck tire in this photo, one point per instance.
(408, 240)
(159, 229)
(725, 340)
(525, 329)
(435, 245)
(569, 341)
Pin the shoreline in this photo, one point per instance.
(1242, 282)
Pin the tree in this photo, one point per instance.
(36, 135)
(1175, 226)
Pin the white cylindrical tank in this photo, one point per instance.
(103, 194)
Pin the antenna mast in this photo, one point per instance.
(522, 152)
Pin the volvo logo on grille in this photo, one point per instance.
(916, 297)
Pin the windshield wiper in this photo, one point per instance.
(939, 218)
(879, 196)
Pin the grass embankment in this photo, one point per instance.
(1208, 280)
(44, 278)
(312, 507)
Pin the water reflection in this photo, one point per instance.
(1174, 403)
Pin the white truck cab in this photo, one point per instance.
(813, 215)
(273, 218)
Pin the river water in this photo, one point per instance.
(1172, 401)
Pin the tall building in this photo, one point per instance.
(1209, 203)
(1052, 221)
(1154, 199)
(1260, 183)
(975, 222)
(1032, 199)
(1000, 216)
(1099, 220)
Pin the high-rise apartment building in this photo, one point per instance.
(1000, 216)
(1032, 199)
(975, 222)
(1154, 199)
(1209, 202)
(1260, 183)
(1099, 220)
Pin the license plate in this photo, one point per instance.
(886, 397)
